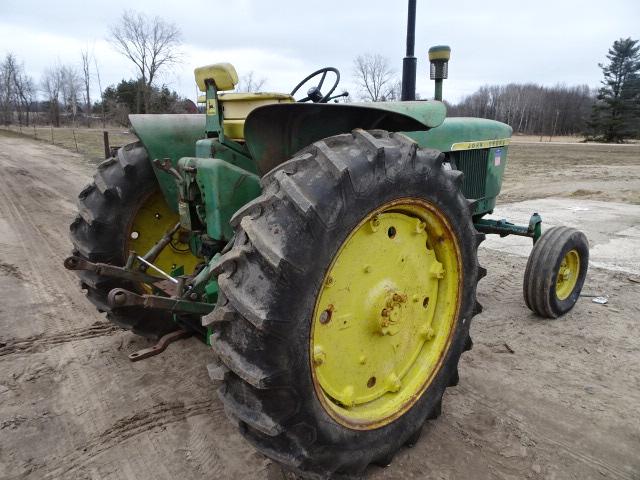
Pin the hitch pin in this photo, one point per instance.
(151, 265)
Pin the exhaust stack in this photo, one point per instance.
(409, 62)
(439, 58)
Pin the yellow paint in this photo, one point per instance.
(237, 106)
(151, 222)
(440, 54)
(384, 321)
(224, 76)
(480, 144)
(568, 274)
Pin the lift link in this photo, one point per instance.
(77, 263)
(119, 298)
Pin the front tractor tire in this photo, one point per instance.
(556, 271)
(123, 209)
(345, 302)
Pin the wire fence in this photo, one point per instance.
(88, 142)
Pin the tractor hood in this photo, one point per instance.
(274, 133)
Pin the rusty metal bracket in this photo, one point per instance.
(77, 263)
(120, 297)
(161, 346)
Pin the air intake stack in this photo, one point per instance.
(439, 58)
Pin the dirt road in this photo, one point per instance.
(537, 399)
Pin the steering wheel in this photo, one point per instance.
(314, 94)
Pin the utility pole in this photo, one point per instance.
(410, 62)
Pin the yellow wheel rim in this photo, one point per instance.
(150, 223)
(568, 274)
(385, 315)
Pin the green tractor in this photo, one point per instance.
(326, 251)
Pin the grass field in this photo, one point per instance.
(86, 141)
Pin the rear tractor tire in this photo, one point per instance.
(123, 209)
(556, 270)
(345, 302)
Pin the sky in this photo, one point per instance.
(492, 41)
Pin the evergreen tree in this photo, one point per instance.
(616, 114)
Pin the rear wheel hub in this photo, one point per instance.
(385, 314)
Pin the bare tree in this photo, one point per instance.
(102, 106)
(25, 94)
(7, 91)
(248, 83)
(150, 43)
(52, 80)
(374, 77)
(86, 78)
(17, 91)
(70, 89)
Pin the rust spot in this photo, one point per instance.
(325, 316)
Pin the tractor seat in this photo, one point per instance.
(237, 106)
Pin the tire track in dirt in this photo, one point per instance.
(538, 434)
(39, 343)
(41, 230)
(154, 418)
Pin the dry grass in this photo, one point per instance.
(593, 171)
(521, 138)
(86, 141)
(546, 139)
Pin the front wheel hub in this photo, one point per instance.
(385, 314)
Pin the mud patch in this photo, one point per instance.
(11, 270)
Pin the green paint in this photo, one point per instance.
(211, 147)
(461, 129)
(274, 133)
(223, 188)
(504, 228)
(172, 137)
(438, 89)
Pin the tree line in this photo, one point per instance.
(530, 108)
(63, 93)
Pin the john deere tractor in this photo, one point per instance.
(326, 251)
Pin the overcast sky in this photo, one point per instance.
(492, 41)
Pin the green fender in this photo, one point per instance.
(275, 132)
(167, 135)
(171, 136)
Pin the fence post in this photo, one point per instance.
(75, 140)
(107, 149)
(52, 135)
